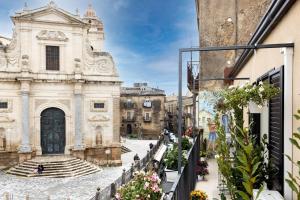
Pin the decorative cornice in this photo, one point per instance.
(52, 35)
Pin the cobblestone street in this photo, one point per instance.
(78, 188)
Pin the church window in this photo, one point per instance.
(52, 58)
(3, 105)
(98, 105)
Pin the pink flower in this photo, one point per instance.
(118, 196)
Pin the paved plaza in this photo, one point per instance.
(77, 188)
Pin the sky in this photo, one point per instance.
(143, 36)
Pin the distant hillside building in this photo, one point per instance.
(171, 118)
(142, 111)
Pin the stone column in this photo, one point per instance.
(78, 118)
(25, 143)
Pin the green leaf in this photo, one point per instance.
(297, 116)
(296, 135)
(242, 158)
(292, 185)
(248, 187)
(259, 191)
(244, 195)
(292, 178)
(294, 142)
(289, 157)
(255, 167)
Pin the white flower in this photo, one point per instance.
(261, 89)
(231, 87)
(247, 90)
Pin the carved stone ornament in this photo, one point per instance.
(52, 35)
(5, 119)
(98, 118)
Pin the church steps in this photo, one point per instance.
(46, 171)
(50, 167)
(57, 169)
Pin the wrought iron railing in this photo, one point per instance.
(186, 181)
(110, 191)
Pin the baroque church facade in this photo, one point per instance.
(60, 92)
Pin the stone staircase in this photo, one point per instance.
(54, 167)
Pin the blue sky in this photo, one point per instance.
(142, 35)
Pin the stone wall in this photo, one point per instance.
(225, 23)
(8, 159)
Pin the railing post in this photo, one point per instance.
(97, 196)
(131, 170)
(113, 190)
(123, 176)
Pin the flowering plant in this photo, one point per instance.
(144, 186)
(240, 96)
(198, 195)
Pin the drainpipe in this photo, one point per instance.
(288, 115)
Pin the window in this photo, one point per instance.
(3, 105)
(128, 115)
(98, 105)
(52, 58)
(147, 117)
(147, 103)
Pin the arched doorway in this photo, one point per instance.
(129, 129)
(53, 136)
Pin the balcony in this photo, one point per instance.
(147, 119)
(128, 105)
(128, 119)
(191, 79)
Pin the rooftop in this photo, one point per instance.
(141, 89)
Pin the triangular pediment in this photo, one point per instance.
(49, 14)
(52, 17)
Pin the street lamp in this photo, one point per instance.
(107, 152)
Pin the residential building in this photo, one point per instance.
(171, 106)
(278, 66)
(60, 91)
(204, 117)
(142, 111)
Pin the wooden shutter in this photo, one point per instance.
(276, 135)
(52, 58)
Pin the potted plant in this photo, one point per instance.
(202, 170)
(143, 186)
(198, 195)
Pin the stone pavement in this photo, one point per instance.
(74, 188)
(210, 186)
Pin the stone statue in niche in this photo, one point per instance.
(98, 135)
(25, 62)
(77, 65)
(2, 139)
